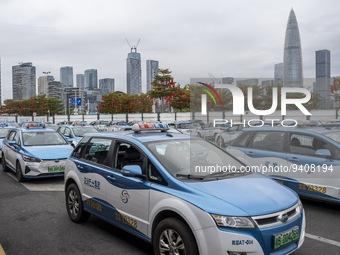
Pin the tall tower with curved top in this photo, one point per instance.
(292, 59)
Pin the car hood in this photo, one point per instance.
(240, 196)
(49, 152)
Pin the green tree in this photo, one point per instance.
(163, 86)
(335, 92)
(41, 105)
(125, 103)
(180, 98)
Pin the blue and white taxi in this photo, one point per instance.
(4, 129)
(34, 152)
(75, 133)
(306, 159)
(184, 195)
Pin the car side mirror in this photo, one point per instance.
(132, 171)
(12, 142)
(323, 152)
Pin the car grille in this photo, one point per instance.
(278, 218)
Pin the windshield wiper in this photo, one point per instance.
(191, 176)
(224, 174)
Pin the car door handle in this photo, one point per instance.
(294, 159)
(111, 178)
(250, 153)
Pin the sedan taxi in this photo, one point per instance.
(306, 159)
(4, 129)
(184, 195)
(34, 152)
(75, 133)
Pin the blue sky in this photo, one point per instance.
(237, 38)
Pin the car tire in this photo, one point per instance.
(18, 172)
(182, 239)
(199, 135)
(3, 163)
(74, 204)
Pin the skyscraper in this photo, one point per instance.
(23, 81)
(133, 72)
(43, 84)
(323, 78)
(90, 79)
(80, 81)
(278, 74)
(292, 60)
(66, 76)
(106, 85)
(151, 71)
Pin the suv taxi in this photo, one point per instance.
(156, 185)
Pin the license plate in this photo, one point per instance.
(286, 237)
(56, 168)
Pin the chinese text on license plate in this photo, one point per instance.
(56, 168)
(286, 237)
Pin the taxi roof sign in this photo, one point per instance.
(34, 125)
(150, 127)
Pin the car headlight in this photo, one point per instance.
(300, 207)
(233, 221)
(30, 159)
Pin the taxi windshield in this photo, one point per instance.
(81, 131)
(335, 136)
(43, 138)
(3, 132)
(194, 158)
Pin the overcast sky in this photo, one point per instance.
(237, 38)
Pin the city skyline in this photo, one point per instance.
(203, 39)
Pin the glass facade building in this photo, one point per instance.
(292, 59)
(133, 73)
(80, 81)
(90, 79)
(23, 81)
(66, 76)
(151, 71)
(323, 78)
(278, 74)
(106, 85)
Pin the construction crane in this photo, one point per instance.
(213, 79)
(133, 47)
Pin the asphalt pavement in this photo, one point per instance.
(33, 220)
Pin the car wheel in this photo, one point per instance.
(18, 171)
(74, 204)
(3, 163)
(173, 236)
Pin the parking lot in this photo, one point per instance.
(33, 220)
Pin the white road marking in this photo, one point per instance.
(41, 185)
(322, 239)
